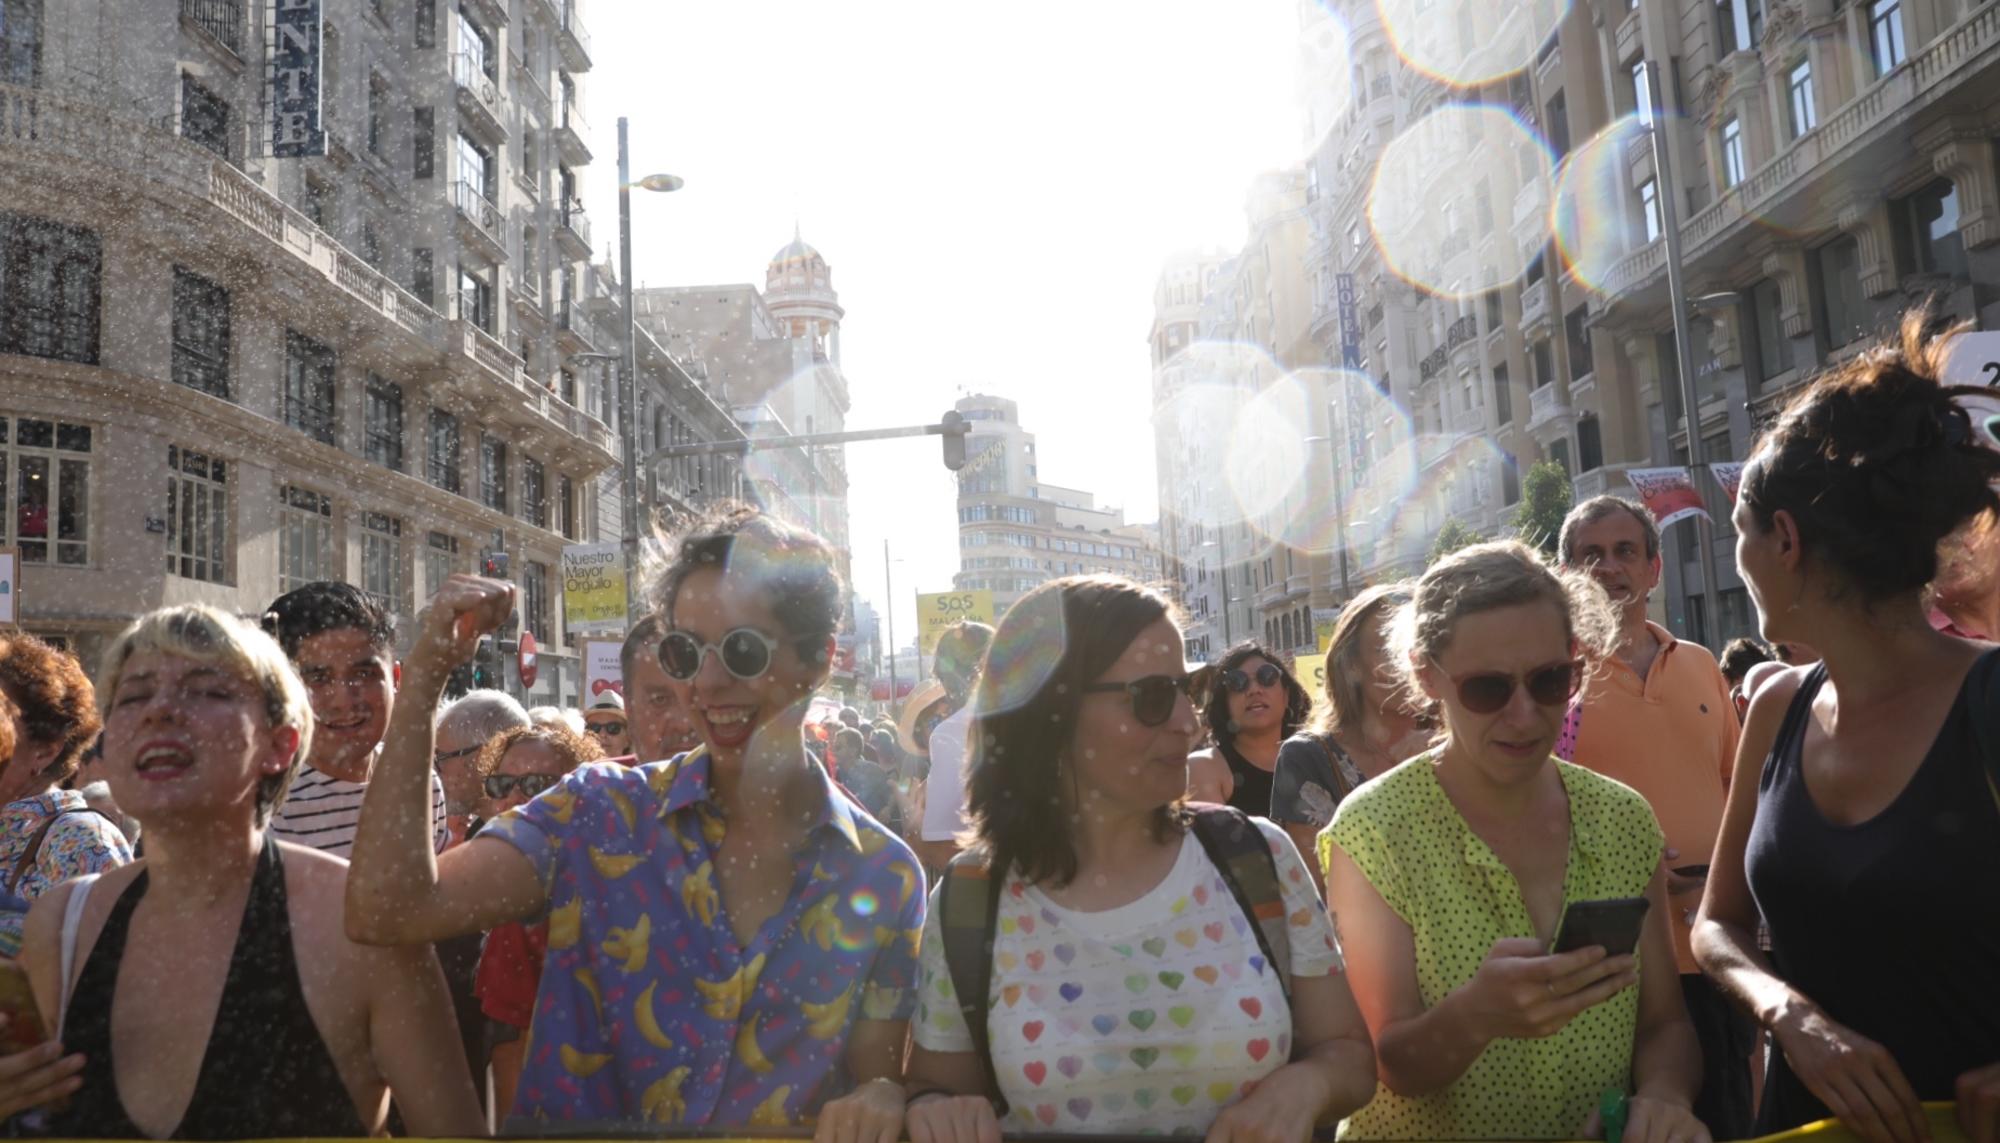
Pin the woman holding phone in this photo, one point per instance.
(212, 993)
(1452, 873)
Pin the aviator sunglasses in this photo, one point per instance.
(1489, 692)
(1153, 697)
(501, 785)
(745, 652)
(1238, 680)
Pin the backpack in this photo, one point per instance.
(969, 909)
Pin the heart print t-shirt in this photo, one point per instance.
(1151, 1017)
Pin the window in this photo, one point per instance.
(1730, 34)
(1503, 395)
(1732, 151)
(1510, 481)
(475, 298)
(1581, 362)
(476, 44)
(1844, 310)
(1542, 364)
(1482, 206)
(534, 492)
(49, 298)
(309, 386)
(1885, 35)
(378, 115)
(475, 168)
(197, 515)
(423, 142)
(441, 452)
(1589, 445)
(47, 464)
(1936, 246)
(319, 204)
(535, 598)
(426, 23)
(1556, 122)
(204, 117)
(201, 334)
(305, 537)
(440, 560)
(423, 281)
(493, 473)
(1649, 211)
(21, 44)
(382, 559)
(566, 507)
(1804, 114)
(1774, 349)
(384, 429)
(1493, 314)
(1559, 454)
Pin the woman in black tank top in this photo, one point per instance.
(1253, 704)
(179, 985)
(1868, 844)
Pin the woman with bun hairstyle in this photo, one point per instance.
(1870, 845)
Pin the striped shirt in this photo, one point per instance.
(320, 811)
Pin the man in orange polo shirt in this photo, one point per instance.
(1658, 718)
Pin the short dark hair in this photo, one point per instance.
(793, 567)
(56, 701)
(643, 639)
(328, 605)
(1059, 638)
(1741, 654)
(1597, 508)
(1215, 705)
(1877, 463)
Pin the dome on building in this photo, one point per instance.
(796, 251)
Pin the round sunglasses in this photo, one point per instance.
(1153, 697)
(745, 652)
(501, 785)
(1489, 692)
(1238, 680)
(614, 729)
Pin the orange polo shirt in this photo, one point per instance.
(1672, 737)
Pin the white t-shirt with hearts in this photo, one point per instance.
(1151, 1017)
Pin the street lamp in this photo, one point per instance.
(628, 382)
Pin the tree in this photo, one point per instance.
(1545, 500)
(1450, 538)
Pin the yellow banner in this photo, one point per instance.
(1310, 670)
(593, 577)
(937, 611)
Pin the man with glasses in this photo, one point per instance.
(462, 728)
(1658, 717)
(605, 721)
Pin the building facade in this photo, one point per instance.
(1016, 532)
(223, 374)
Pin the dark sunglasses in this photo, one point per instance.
(1153, 697)
(448, 755)
(612, 728)
(501, 785)
(745, 652)
(1489, 692)
(1238, 680)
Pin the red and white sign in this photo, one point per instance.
(529, 669)
(1728, 474)
(1669, 494)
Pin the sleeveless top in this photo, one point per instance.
(1251, 782)
(1891, 925)
(265, 1072)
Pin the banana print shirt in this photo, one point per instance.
(648, 1013)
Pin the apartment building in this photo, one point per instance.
(224, 373)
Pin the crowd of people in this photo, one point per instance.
(1529, 868)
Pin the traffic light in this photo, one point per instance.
(486, 665)
(493, 564)
(954, 440)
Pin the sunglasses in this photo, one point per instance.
(614, 729)
(501, 785)
(448, 755)
(1153, 697)
(745, 652)
(1489, 692)
(1238, 680)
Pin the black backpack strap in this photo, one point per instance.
(968, 917)
(1986, 718)
(1238, 849)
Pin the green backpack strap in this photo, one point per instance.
(1238, 849)
(968, 911)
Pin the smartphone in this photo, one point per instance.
(1613, 924)
(23, 1029)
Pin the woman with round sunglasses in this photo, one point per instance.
(514, 766)
(1452, 875)
(732, 941)
(1111, 982)
(1252, 705)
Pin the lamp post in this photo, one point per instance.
(628, 381)
(889, 617)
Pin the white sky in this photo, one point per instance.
(995, 188)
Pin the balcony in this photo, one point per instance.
(222, 19)
(479, 219)
(1432, 364)
(570, 132)
(1546, 406)
(573, 229)
(578, 335)
(531, 88)
(1463, 331)
(574, 42)
(478, 96)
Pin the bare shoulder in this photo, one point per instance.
(316, 887)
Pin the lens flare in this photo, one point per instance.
(1327, 70)
(1024, 653)
(1201, 397)
(865, 903)
(1459, 205)
(1470, 42)
(1265, 464)
(1376, 439)
(1599, 215)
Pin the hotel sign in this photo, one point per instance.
(1350, 321)
(296, 128)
